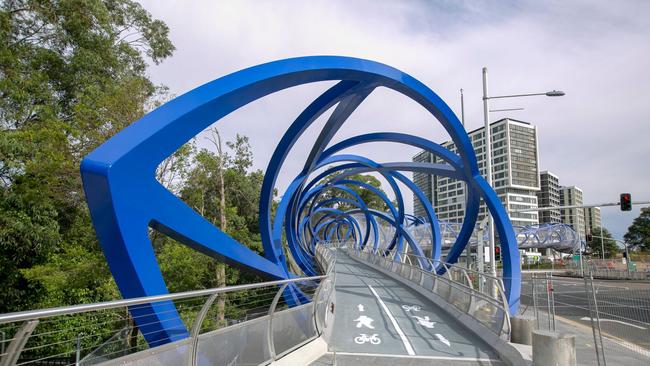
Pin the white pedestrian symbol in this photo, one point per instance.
(363, 338)
(361, 309)
(442, 339)
(411, 307)
(425, 322)
(364, 321)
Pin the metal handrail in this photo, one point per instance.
(485, 276)
(67, 310)
(31, 318)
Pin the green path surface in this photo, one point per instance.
(435, 336)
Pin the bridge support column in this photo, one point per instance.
(553, 348)
(522, 329)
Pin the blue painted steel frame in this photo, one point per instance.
(125, 199)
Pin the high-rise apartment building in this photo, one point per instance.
(424, 182)
(575, 217)
(515, 173)
(549, 196)
(592, 219)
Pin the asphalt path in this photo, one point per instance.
(377, 315)
(623, 306)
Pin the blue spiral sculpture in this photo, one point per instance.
(125, 199)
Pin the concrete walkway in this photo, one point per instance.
(379, 321)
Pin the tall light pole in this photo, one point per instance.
(468, 249)
(488, 153)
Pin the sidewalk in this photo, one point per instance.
(617, 352)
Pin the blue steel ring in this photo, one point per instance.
(125, 199)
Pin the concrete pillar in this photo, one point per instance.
(522, 329)
(553, 348)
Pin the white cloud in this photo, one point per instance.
(598, 52)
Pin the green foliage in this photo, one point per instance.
(72, 74)
(185, 269)
(372, 200)
(638, 234)
(596, 245)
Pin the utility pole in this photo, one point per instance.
(488, 168)
(468, 248)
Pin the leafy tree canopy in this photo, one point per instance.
(596, 245)
(638, 234)
(72, 74)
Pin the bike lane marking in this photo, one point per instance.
(425, 341)
(352, 291)
(407, 343)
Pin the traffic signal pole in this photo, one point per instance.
(609, 204)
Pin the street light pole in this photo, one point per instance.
(468, 249)
(488, 168)
(488, 153)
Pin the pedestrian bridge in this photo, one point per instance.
(371, 294)
(365, 309)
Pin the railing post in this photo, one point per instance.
(77, 353)
(196, 329)
(18, 343)
(274, 304)
(315, 301)
(535, 309)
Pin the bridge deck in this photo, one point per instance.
(404, 324)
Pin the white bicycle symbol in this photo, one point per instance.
(363, 338)
(412, 307)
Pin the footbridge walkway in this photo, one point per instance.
(417, 305)
(365, 309)
(378, 320)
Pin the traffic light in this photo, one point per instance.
(497, 254)
(626, 202)
(590, 237)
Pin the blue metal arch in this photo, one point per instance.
(125, 199)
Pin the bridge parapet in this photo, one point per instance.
(249, 324)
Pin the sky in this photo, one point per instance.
(598, 52)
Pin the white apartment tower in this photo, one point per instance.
(549, 196)
(592, 219)
(575, 217)
(515, 173)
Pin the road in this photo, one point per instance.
(624, 306)
(398, 324)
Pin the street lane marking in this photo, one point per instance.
(425, 322)
(407, 344)
(360, 307)
(363, 338)
(388, 355)
(411, 307)
(442, 339)
(365, 321)
(615, 321)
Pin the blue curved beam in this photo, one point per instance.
(125, 199)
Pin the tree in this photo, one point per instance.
(72, 74)
(638, 234)
(596, 246)
(371, 200)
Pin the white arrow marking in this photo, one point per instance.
(615, 321)
(360, 307)
(442, 339)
